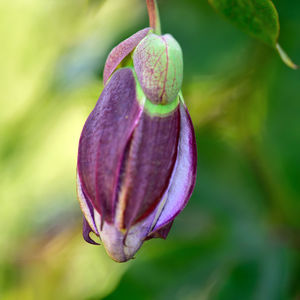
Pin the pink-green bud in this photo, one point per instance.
(158, 65)
(137, 154)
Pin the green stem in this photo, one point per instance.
(153, 13)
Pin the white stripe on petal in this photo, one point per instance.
(84, 207)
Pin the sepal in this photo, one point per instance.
(118, 53)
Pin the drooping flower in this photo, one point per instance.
(137, 153)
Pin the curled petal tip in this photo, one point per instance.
(161, 232)
(86, 233)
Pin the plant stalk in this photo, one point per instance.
(153, 13)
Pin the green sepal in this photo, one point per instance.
(152, 108)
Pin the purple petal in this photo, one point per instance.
(161, 233)
(86, 230)
(103, 141)
(122, 246)
(86, 207)
(118, 53)
(149, 166)
(184, 176)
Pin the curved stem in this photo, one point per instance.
(153, 13)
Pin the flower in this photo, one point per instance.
(137, 156)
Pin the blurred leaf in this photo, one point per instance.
(235, 102)
(61, 265)
(259, 18)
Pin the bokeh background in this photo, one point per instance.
(238, 238)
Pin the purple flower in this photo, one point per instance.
(137, 153)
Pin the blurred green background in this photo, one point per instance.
(238, 238)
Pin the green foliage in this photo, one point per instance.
(258, 18)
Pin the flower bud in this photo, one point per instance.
(137, 153)
(159, 67)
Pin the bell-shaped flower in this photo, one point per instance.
(137, 153)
